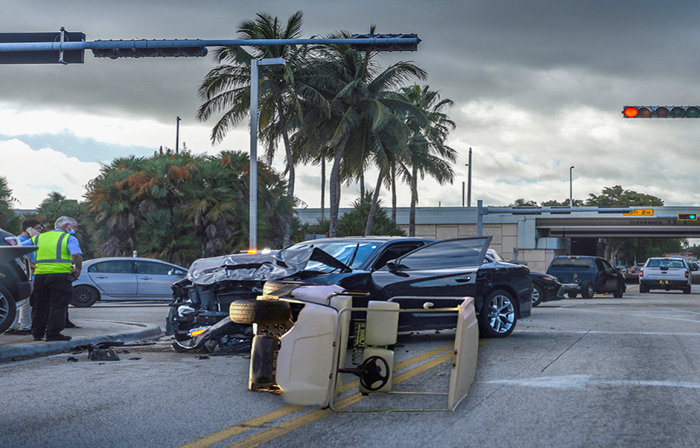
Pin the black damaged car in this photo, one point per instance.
(202, 299)
(414, 272)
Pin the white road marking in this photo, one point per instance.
(585, 381)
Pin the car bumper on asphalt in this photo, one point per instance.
(570, 287)
(664, 284)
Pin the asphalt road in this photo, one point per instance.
(601, 372)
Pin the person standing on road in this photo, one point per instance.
(23, 320)
(59, 261)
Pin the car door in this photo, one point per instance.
(431, 277)
(116, 278)
(155, 278)
(609, 275)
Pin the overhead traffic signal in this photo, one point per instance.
(687, 217)
(399, 42)
(149, 49)
(661, 112)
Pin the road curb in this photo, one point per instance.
(24, 351)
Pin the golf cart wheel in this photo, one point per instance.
(257, 311)
(572, 295)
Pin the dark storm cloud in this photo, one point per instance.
(538, 85)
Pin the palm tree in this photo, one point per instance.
(361, 104)
(226, 88)
(428, 153)
(6, 200)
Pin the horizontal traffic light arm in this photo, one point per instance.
(128, 48)
(661, 112)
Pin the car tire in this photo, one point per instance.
(497, 318)
(259, 311)
(587, 291)
(8, 309)
(619, 292)
(687, 289)
(643, 289)
(537, 295)
(84, 296)
(572, 295)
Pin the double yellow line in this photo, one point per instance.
(445, 352)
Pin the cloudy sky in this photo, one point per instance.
(538, 87)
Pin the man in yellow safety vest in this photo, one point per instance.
(59, 261)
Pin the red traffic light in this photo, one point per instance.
(661, 111)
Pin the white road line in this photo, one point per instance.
(585, 381)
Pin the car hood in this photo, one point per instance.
(8, 253)
(207, 271)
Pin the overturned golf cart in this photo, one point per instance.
(302, 335)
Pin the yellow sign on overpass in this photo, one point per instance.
(641, 212)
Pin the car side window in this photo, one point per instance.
(394, 252)
(112, 267)
(606, 266)
(445, 254)
(152, 268)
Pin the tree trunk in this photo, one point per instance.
(362, 185)
(373, 207)
(290, 173)
(393, 194)
(414, 199)
(335, 187)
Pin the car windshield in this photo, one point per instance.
(352, 253)
(572, 263)
(662, 263)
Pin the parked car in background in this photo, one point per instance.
(665, 273)
(125, 278)
(15, 276)
(694, 266)
(545, 288)
(587, 275)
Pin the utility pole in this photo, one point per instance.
(177, 135)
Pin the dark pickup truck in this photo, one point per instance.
(587, 275)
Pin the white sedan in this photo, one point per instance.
(125, 278)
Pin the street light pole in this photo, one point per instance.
(469, 181)
(177, 135)
(571, 187)
(253, 230)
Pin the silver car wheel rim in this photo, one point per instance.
(501, 314)
(4, 307)
(535, 295)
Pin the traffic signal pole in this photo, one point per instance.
(12, 43)
(39, 48)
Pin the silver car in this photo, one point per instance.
(125, 278)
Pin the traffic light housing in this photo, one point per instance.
(149, 49)
(412, 45)
(661, 112)
(687, 217)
